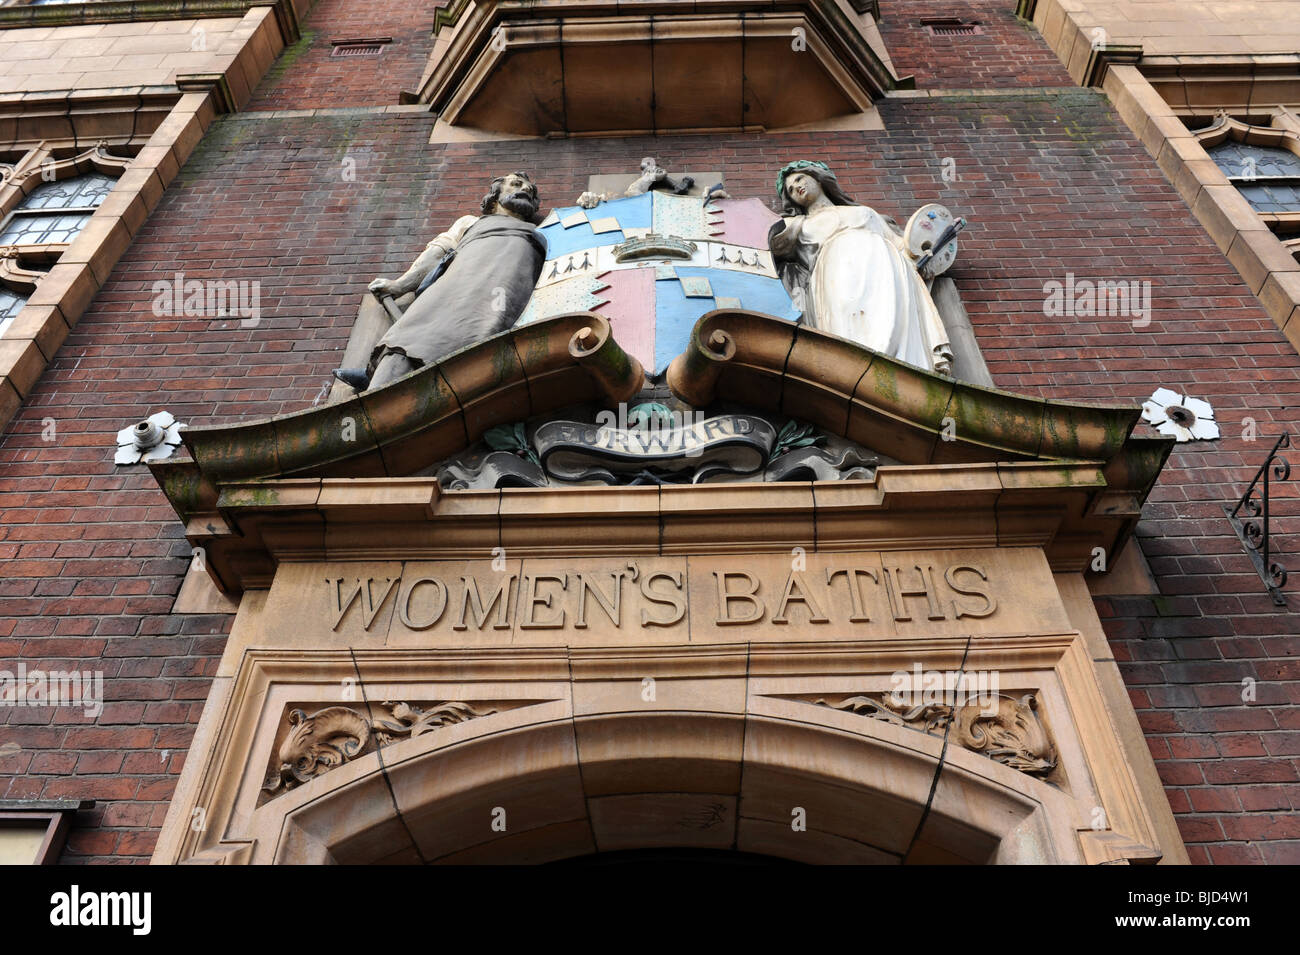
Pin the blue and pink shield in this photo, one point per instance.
(718, 259)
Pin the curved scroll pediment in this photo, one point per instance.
(1004, 446)
(769, 364)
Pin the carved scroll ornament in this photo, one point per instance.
(339, 734)
(1007, 730)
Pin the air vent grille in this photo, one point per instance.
(951, 26)
(358, 49)
(360, 45)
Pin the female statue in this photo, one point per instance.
(848, 270)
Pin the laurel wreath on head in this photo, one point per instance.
(795, 166)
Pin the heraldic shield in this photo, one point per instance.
(653, 264)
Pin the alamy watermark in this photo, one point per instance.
(83, 688)
(78, 907)
(955, 688)
(208, 298)
(659, 427)
(1087, 298)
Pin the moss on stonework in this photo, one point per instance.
(253, 496)
(288, 56)
(212, 153)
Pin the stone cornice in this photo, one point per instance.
(401, 429)
(131, 11)
(802, 372)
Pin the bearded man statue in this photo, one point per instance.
(472, 281)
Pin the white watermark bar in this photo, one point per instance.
(79, 688)
(955, 688)
(208, 298)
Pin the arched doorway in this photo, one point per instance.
(778, 783)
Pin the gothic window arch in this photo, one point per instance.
(54, 212)
(17, 282)
(1263, 163)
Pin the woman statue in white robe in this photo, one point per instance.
(848, 270)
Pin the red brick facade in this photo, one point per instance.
(1007, 52)
(309, 76)
(1051, 181)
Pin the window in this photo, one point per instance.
(32, 832)
(1267, 176)
(54, 212)
(11, 303)
(1263, 163)
(47, 201)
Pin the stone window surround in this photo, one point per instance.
(164, 123)
(36, 168)
(1284, 134)
(1263, 261)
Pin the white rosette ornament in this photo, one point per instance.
(1181, 417)
(152, 439)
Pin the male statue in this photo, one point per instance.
(473, 281)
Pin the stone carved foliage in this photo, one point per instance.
(654, 445)
(339, 734)
(1006, 729)
(407, 722)
(316, 744)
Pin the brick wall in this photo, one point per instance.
(1008, 52)
(308, 76)
(1052, 182)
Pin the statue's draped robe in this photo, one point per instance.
(859, 283)
(483, 291)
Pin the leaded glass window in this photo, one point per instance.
(1267, 176)
(11, 303)
(54, 212)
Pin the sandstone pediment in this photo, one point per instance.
(958, 461)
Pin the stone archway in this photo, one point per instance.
(786, 780)
(787, 750)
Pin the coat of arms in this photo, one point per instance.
(653, 264)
